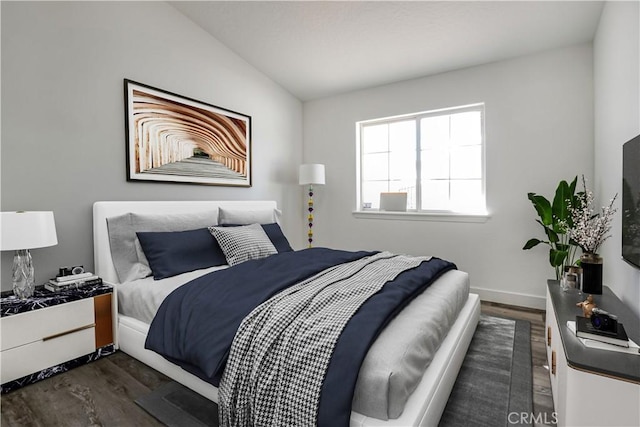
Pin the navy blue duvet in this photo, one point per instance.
(195, 325)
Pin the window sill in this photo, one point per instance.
(423, 216)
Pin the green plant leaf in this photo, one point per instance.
(552, 235)
(572, 186)
(575, 201)
(560, 207)
(543, 207)
(532, 243)
(556, 257)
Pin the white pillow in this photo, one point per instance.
(243, 243)
(248, 216)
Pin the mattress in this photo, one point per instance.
(396, 361)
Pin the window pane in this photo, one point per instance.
(371, 192)
(466, 162)
(402, 144)
(466, 129)
(435, 194)
(402, 166)
(434, 132)
(408, 187)
(435, 164)
(375, 138)
(375, 166)
(466, 195)
(402, 136)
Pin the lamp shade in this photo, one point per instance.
(311, 174)
(27, 230)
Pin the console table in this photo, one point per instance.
(591, 387)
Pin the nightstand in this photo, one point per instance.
(52, 332)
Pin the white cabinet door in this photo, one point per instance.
(43, 338)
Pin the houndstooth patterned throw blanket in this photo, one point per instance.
(282, 349)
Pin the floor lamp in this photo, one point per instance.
(311, 174)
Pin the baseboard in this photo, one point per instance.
(511, 298)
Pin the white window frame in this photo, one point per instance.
(479, 215)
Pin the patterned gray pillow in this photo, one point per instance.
(243, 243)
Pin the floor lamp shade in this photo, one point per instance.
(21, 231)
(311, 174)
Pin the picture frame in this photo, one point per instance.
(172, 138)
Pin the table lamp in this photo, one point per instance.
(311, 174)
(21, 231)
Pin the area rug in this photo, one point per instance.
(495, 380)
(495, 384)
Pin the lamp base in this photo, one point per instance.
(23, 275)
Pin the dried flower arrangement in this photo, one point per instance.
(590, 229)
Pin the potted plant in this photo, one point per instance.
(556, 221)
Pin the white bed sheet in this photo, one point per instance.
(141, 298)
(388, 376)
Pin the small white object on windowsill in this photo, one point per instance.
(633, 347)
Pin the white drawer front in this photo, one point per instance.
(25, 328)
(27, 359)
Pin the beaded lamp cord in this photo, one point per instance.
(310, 216)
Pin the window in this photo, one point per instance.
(436, 157)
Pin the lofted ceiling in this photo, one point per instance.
(316, 49)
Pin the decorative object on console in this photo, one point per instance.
(591, 272)
(178, 139)
(311, 174)
(586, 328)
(572, 278)
(22, 231)
(589, 230)
(587, 306)
(556, 220)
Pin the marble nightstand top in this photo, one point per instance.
(43, 298)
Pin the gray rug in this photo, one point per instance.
(496, 377)
(495, 380)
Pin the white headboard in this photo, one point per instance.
(103, 263)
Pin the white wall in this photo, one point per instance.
(63, 140)
(539, 130)
(617, 119)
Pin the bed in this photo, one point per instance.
(137, 304)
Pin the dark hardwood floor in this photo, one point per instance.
(102, 393)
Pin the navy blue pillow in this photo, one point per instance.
(277, 237)
(175, 252)
(275, 234)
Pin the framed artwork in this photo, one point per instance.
(171, 138)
